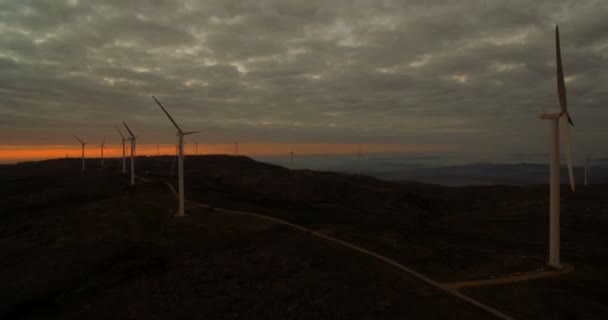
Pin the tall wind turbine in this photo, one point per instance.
(102, 145)
(196, 148)
(124, 160)
(82, 143)
(554, 250)
(236, 148)
(180, 134)
(133, 140)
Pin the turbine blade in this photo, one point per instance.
(168, 115)
(191, 132)
(570, 120)
(120, 133)
(561, 86)
(78, 139)
(130, 132)
(568, 149)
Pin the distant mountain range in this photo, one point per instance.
(487, 174)
(436, 170)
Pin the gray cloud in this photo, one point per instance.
(470, 73)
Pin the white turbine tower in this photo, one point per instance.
(180, 136)
(554, 228)
(133, 140)
(124, 160)
(102, 145)
(82, 143)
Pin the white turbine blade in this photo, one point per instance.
(561, 86)
(130, 132)
(120, 133)
(568, 149)
(168, 115)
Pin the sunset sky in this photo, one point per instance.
(314, 76)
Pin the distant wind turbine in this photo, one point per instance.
(291, 159)
(566, 120)
(180, 134)
(236, 148)
(102, 145)
(124, 160)
(133, 144)
(359, 158)
(82, 143)
(196, 148)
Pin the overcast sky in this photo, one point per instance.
(471, 75)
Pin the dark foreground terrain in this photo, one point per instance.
(76, 245)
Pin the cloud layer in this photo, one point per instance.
(473, 74)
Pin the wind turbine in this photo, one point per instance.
(359, 158)
(180, 134)
(102, 145)
(554, 251)
(82, 143)
(133, 140)
(291, 159)
(196, 148)
(236, 148)
(124, 160)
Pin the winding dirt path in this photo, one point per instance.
(510, 279)
(446, 289)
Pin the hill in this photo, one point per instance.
(449, 234)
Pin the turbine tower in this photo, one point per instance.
(291, 159)
(180, 136)
(236, 148)
(196, 148)
(124, 160)
(102, 145)
(554, 228)
(82, 143)
(359, 158)
(133, 140)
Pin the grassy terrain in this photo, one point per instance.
(449, 234)
(76, 246)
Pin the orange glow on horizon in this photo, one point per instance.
(28, 153)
